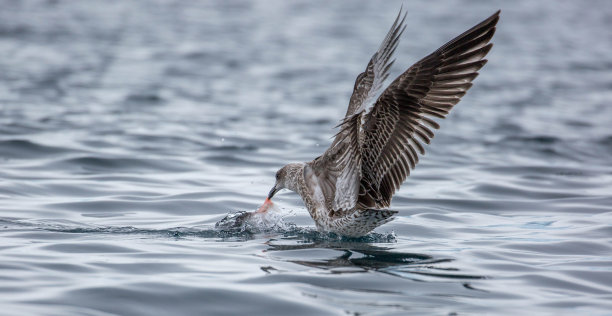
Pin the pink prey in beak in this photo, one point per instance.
(264, 207)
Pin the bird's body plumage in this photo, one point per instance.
(347, 189)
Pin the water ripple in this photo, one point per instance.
(129, 129)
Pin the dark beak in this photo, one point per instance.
(272, 192)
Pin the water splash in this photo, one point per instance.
(254, 222)
(272, 221)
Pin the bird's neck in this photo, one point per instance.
(295, 176)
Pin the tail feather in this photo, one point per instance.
(361, 222)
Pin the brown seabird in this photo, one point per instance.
(347, 189)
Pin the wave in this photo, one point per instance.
(25, 149)
(252, 230)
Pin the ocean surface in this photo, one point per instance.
(129, 128)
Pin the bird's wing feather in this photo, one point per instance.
(339, 168)
(401, 117)
(369, 82)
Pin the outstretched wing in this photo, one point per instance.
(401, 117)
(339, 169)
(369, 82)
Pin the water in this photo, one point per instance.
(128, 129)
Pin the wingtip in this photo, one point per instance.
(401, 17)
(404, 19)
(495, 16)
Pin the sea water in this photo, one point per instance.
(128, 129)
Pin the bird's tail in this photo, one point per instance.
(361, 222)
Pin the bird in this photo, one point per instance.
(347, 190)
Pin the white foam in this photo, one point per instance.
(271, 220)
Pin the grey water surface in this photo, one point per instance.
(129, 128)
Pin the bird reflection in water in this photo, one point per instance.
(358, 257)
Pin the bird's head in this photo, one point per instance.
(286, 178)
